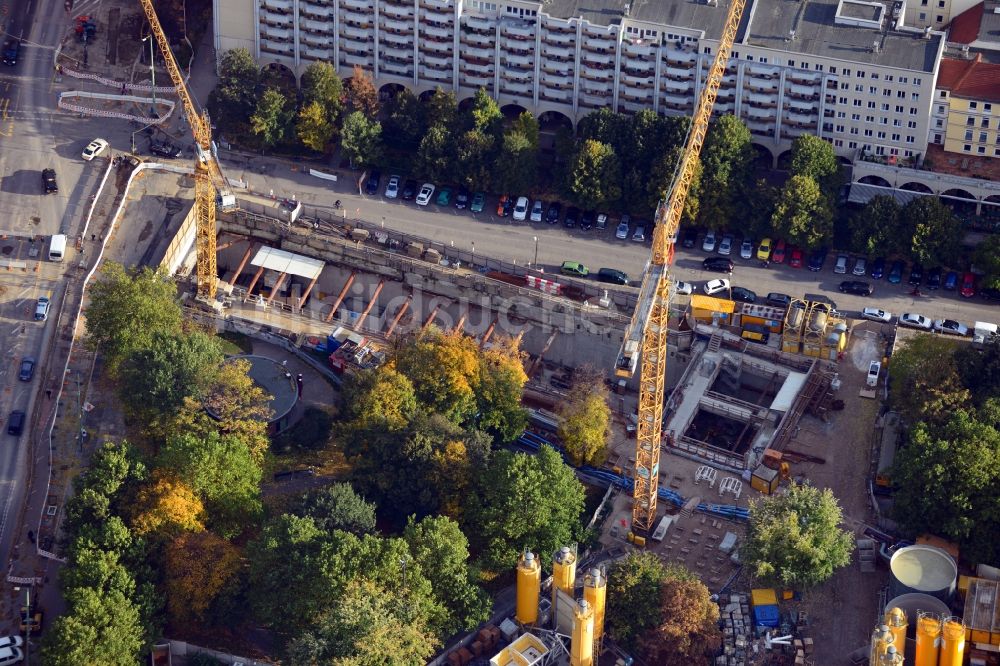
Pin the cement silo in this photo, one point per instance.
(563, 572)
(582, 645)
(891, 657)
(595, 590)
(895, 619)
(952, 642)
(882, 639)
(529, 586)
(928, 632)
(923, 569)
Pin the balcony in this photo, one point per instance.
(476, 67)
(436, 18)
(437, 47)
(396, 53)
(679, 58)
(723, 109)
(557, 96)
(637, 81)
(435, 74)
(760, 87)
(517, 29)
(277, 49)
(598, 60)
(401, 12)
(562, 53)
(321, 5)
(754, 113)
(475, 52)
(592, 74)
(557, 79)
(517, 61)
(636, 95)
(398, 24)
(800, 119)
(277, 5)
(397, 69)
(309, 12)
(600, 47)
(470, 80)
(677, 87)
(435, 62)
(277, 34)
(471, 39)
(594, 101)
(515, 88)
(352, 33)
(364, 50)
(677, 103)
(638, 48)
(438, 5)
(351, 59)
(480, 23)
(801, 107)
(559, 38)
(595, 88)
(725, 96)
(316, 27)
(357, 15)
(802, 92)
(802, 77)
(397, 40)
(559, 27)
(363, 5)
(318, 54)
(761, 128)
(762, 102)
(517, 76)
(436, 32)
(677, 74)
(558, 68)
(315, 41)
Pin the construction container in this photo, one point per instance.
(765, 480)
(771, 459)
(763, 596)
(923, 569)
(952, 642)
(766, 616)
(928, 632)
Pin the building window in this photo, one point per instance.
(840, 129)
(875, 76)
(937, 138)
(818, 67)
(838, 143)
(888, 77)
(833, 70)
(885, 107)
(886, 92)
(871, 105)
(985, 123)
(913, 110)
(903, 79)
(854, 144)
(910, 139)
(944, 94)
(854, 130)
(923, 16)
(861, 74)
(855, 116)
(900, 94)
(939, 123)
(895, 137)
(967, 148)
(987, 107)
(970, 121)
(914, 97)
(996, 153)
(968, 135)
(883, 121)
(841, 114)
(791, 63)
(896, 122)
(857, 102)
(911, 124)
(973, 105)
(868, 132)
(843, 100)
(916, 81)
(939, 18)
(907, 153)
(749, 57)
(847, 72)
(982, 137)
(940, 108)
(981, 150)
(707, 50)
(881, 135)
(872, 90)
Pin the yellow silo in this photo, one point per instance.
(895, 619)
(595, 590)
(563, 572)
(582, 648)
(928, 633)
(881, 640)
(529, 586)
(891, 657)
(952, 642)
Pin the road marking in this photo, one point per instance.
(4, 105)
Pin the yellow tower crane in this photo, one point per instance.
(646, 336)
(207, 175)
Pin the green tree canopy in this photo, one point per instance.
(687, 633)
(795, 539)
(233, 100)
(595, 175)
(272, 117)
(586, 423)
(524, 501)
(726, 161)
(814, 157)
(127, 308)
(979, 369)
(633, 598)
(435, 153)
(361, 139)
(516, 167)
(382, 398)
(474, 159)
(485, 115)
(987, 258)
(404, 124)
(338, 507)
(877, 227)
(99, 628)
(925, 382)
(313, 128)
(321, 85)
(937, 233)
(802, 213)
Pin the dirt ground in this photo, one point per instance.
(840, 613)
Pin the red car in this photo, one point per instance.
(968, 288)
(503, 207)
(778, 253)
(795, 258)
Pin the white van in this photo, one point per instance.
(874, 368)
(57, 248)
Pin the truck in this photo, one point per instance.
(351, 351)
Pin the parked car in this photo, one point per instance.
(934, 278)
(621, 233)
(746, 249)
(503, 205)
(42, 308)
(840, 267)
(743, 295)
(555, 210)
(639, 235)
(537, 210)
(10, 51)
(683, 288)
(478, 202)
(778, 300)
(950, 326)
(587, 220)
(816, 259)
(444, 196)
(916, 275)
(372, 182)
(764, 250)
(164, 148)
(914, 320)
(860, 266)
(876, 314)
(795, 258)
(426, 192)
(27, 370)
(612, 276)
(689, 237)
(602, 221)
(708, 244)
(726, 245)
(572, 215)
(409, 189)
(574, 268)
(878, 268)
(717, 264)
(94, 148)
(521, 209)
(392, 187)
(896, 272)
(11, 641)
(717, 286)
(950, 281)
(855, 287)
(779, 253)
(49, 185)
(462, 199)
(968, 288)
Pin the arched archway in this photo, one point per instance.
(875, 180)
(958, 193)
(552, 121)
(844, 161)
(763, 157)
(785, 161)
(280, 76)
(389, 91)
(466, 104)
(426, 95)
(993, 199)
(511, 111)
(960, 201)
(916, 187)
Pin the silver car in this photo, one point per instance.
(726, 246)
(860, 266)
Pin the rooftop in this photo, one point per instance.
(964, 28)
(970, 79)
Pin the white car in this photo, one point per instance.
(536, 211)
(521, 209)
(708, 245)
(11, 641)
(94, 148)
(621, 233)
(914, 320)
(746, 249)
(713, 287)
(726, 245)
(639, 235)
(426, 192)
(683, 288)
(11, 655)
(950, 326)
(876, 314)
(392, 187)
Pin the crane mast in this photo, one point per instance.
(207, 175)
(646, 336)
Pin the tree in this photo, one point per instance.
(313, 128)
(321, 85)
(633, 595)
(499, 389)
(441, 109)
(362, 93)
(687, 632)
(524, 501)
(485, 114)
(443, 368)
(155, 379)
(196, 568)
(474, 159)
(980, 370)
(271, 118)
(224, 473)
(127, 307)
(238, 406)
(802, 214)
(948, 477)
(338, 507)
(404, 124)
(435, 154)
(526, 125)
(168, 506)
(603, 125)
(383, 398)
(442, 552)
(99, 628)
(726, 163)
(232, 101)
(795, 539)
(516, 167)
(937, 233)
(813, 157)
(114, 469)
(585, 423)
(877, 227)
(361, 139)
(595, 175)
(987, 258)
(925, 382)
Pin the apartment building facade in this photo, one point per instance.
(849, 71)
(966, 113)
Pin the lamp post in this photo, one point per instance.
(152, 68)
(535, 262)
